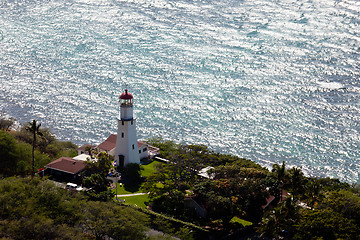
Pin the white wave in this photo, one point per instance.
(331, 85)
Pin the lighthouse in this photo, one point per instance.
(126, 150)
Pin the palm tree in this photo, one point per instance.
(296, 182)
(34, 128)
(313, 192)
(280, 176)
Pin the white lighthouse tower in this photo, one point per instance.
(127, 150)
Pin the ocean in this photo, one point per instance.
(267, 80)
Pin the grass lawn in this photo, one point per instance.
(123, 190)
(138, 200)
(148, 169)
(241, 221)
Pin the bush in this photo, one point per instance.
(5, 124)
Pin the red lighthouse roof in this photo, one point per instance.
(126, 95)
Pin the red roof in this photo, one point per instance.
(67, 164)
(109, 143)
(140, 144)
(126, 95)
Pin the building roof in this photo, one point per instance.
(82, 157)
(83, 147)
(140, 144)
(284, 195)
(126, 95)
(109, 143)
(67, 164)
(204, 173)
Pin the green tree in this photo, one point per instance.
(167, 148)
(33, 127)
(59, 149)
(296, 182)
(279, 222)
(24, 158)
(110, 220)
(5, 124)
(132, 173)
(314, 192)
(345, 202)
(46, 138)
(279, 175)
(95, 177)
(178, 175)
(220, 201)
(245, 187)
(325, 224)
(235, 191)
(8, 153)
(37, 209)
(24, 135)
(167, 185)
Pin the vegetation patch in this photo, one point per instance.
(32, 208)
(240, 198)
(126, 189)
(136, 200)
(244, 223)
(148, 169)
(19, 153)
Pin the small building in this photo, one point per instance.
(207, 172)
(108, 145)
(65, 169)
(82, 157)
(145, 150)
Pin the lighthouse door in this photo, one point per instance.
(121, 161)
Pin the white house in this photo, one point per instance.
(109, 145)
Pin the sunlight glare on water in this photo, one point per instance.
(265, 80)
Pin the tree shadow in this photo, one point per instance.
(131, 185)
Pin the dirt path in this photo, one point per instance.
(131, 194)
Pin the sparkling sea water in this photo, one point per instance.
(268, 80)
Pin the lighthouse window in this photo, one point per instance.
(133, 146)
(122, 135)
(139, 151)
(132, 122)
(144, 149)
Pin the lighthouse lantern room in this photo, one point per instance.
(126, 150)
(126, 106)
